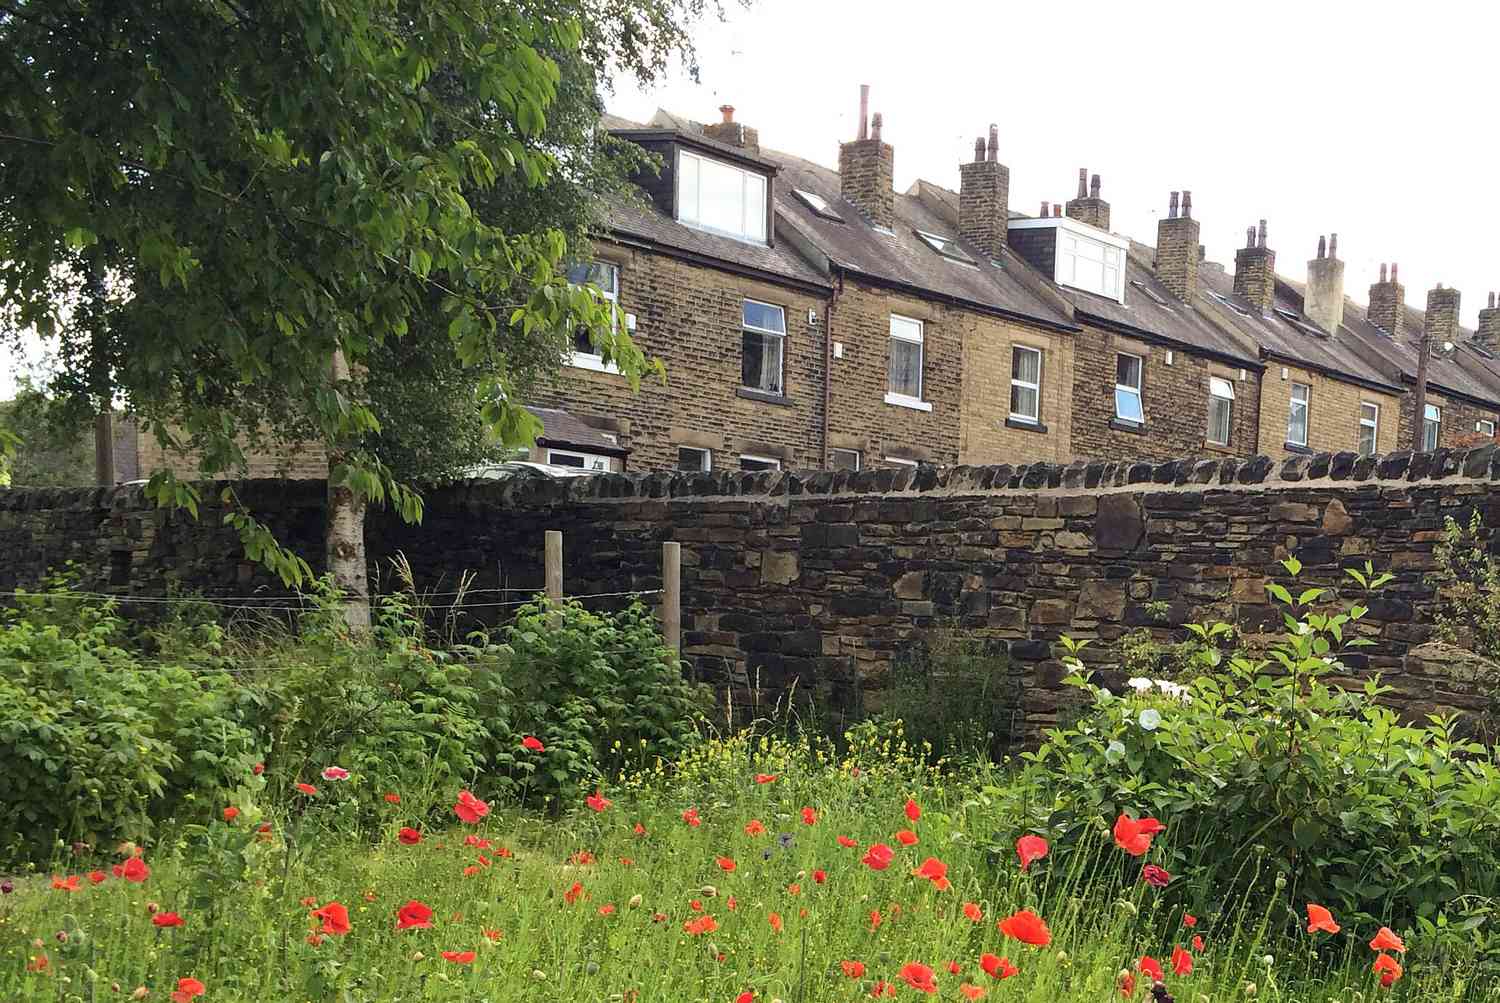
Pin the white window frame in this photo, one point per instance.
(1479, 426)
(900, 461)
(586, 457)
(593, 360)
(708, 459)
(1437, 426)
(1065, 261)
(1373, 424)
(1291, 409)
(1215, 383)
(781, 356)
(1036, 388)
(693, 218)
(857, 454)
(1140, 376)
(772, 462)
(904, 400)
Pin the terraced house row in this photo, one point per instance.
(813, 318)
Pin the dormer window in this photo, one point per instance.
(1080, 256)
(713, 195)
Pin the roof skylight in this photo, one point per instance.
(1150, 292)
(947, 247)
(818, 204)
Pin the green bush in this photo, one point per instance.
(955, 695)
(1273, 780)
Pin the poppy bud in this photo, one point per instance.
(1063, 959)
(6, 887)
(152, 908)
(1128, 906)
(1280, 882)
(62, 936)
(634, 902)
(114, 987)
(592, 968)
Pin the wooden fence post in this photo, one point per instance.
(553, 565)
(671, 594)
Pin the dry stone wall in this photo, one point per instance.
(825, 579)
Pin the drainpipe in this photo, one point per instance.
(828, 362)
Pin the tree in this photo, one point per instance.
(54, 450)
(286, 189)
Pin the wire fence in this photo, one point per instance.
(305, 603)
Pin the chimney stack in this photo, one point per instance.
(984, 199)
(1046, 208)
(867, 168)
(1177, 249)
(1323, 302)
(1440, 323)
(1388, 303)
(1088, 207)
(732, 133)
(1487, 334)
(1255, 269)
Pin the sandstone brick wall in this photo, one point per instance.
(297, 461)
(1174, 399)
(1458, 420)
(826, 578)
(1333, 412)
(985, 433)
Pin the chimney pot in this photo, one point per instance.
(1094, 187)
(1187, 205)
(1249, 236)
(1322, 247)
(993, 155)
(1057, 210)
(727, 110)
(864, 111)
(1172, 206)
(1393, 271)
(1492, 301)
(875, 123)
(1261, 233)
(979, 150)
(1083, 182)
(1046, 208)
(1382, 271)
(1333, 246)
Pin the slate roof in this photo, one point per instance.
(561, 429)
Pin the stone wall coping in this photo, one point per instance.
(1479, 466)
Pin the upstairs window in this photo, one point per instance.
(693, 458)
(1369, 428)
(843, 459)
(1090, 265)
(1220, 410)
(1128, 389)
(1025, 384)
(763, 346)
(905, 386)
(1485, 427)
(605, 278)
(717, 196)
(748, 462)
(1296, 418)
(1432, 425)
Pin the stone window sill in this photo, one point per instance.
(1026, 426)
(1222, 448)
(1292, 447)
(901, 400)
(763, 396)
(1138, 428)
(593, 363)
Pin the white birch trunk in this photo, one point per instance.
(345, 540)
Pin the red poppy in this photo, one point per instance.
(639, 830)
(1197, 943)
(731, 904)
(97, 877)
(1027, 927)
(1182, 961)
(1134, 835)
(906, 837)
(335, 918)
(409, 836)
(1127, 984)
(469, 808)
(953, 968)
(775, 920)
(1319, 918)
(335, 773)
(874, 920)
(187, 989)
(1155, 876)
(164, 919)
(1030, 848)
(882, 988)
(853, 969)
(1389, 969)
(794, 889)
(1386, 940)
(68, 884)
(479, 841)
(995, 967)
(919, 977)
(847, 843)
(755, 827)
(414, 915)
(532, 743)
(913, 810)
(309, 901)
(231, 813)
(459, 957)
(1149, 966)
(134, 870)
(696, 905)
(38, 964)
(700, 925)
(725, 864)
(598, 801)
(571, 895)
(1188, 919)
(971, 991)
(491, 935)
(820, 876)
(393, 798)
(809, 817)
(765, 778)
(745, 997)
(607, 909)
(307, 789)
(691, 817)
(258, 769)
(936, 871)
(972, 912)
(878, 857)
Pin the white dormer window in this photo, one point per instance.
(713, 195)
(1083, 257)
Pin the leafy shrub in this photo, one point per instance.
(1468, 581)
(955, 694)
(1272, 777)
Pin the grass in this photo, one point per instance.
(602, 905)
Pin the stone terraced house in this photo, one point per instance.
(817, 318)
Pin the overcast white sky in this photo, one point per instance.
(1376, 120)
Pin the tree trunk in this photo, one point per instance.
(104, 418)
(345, 540)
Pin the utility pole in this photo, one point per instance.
(1419, 399)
